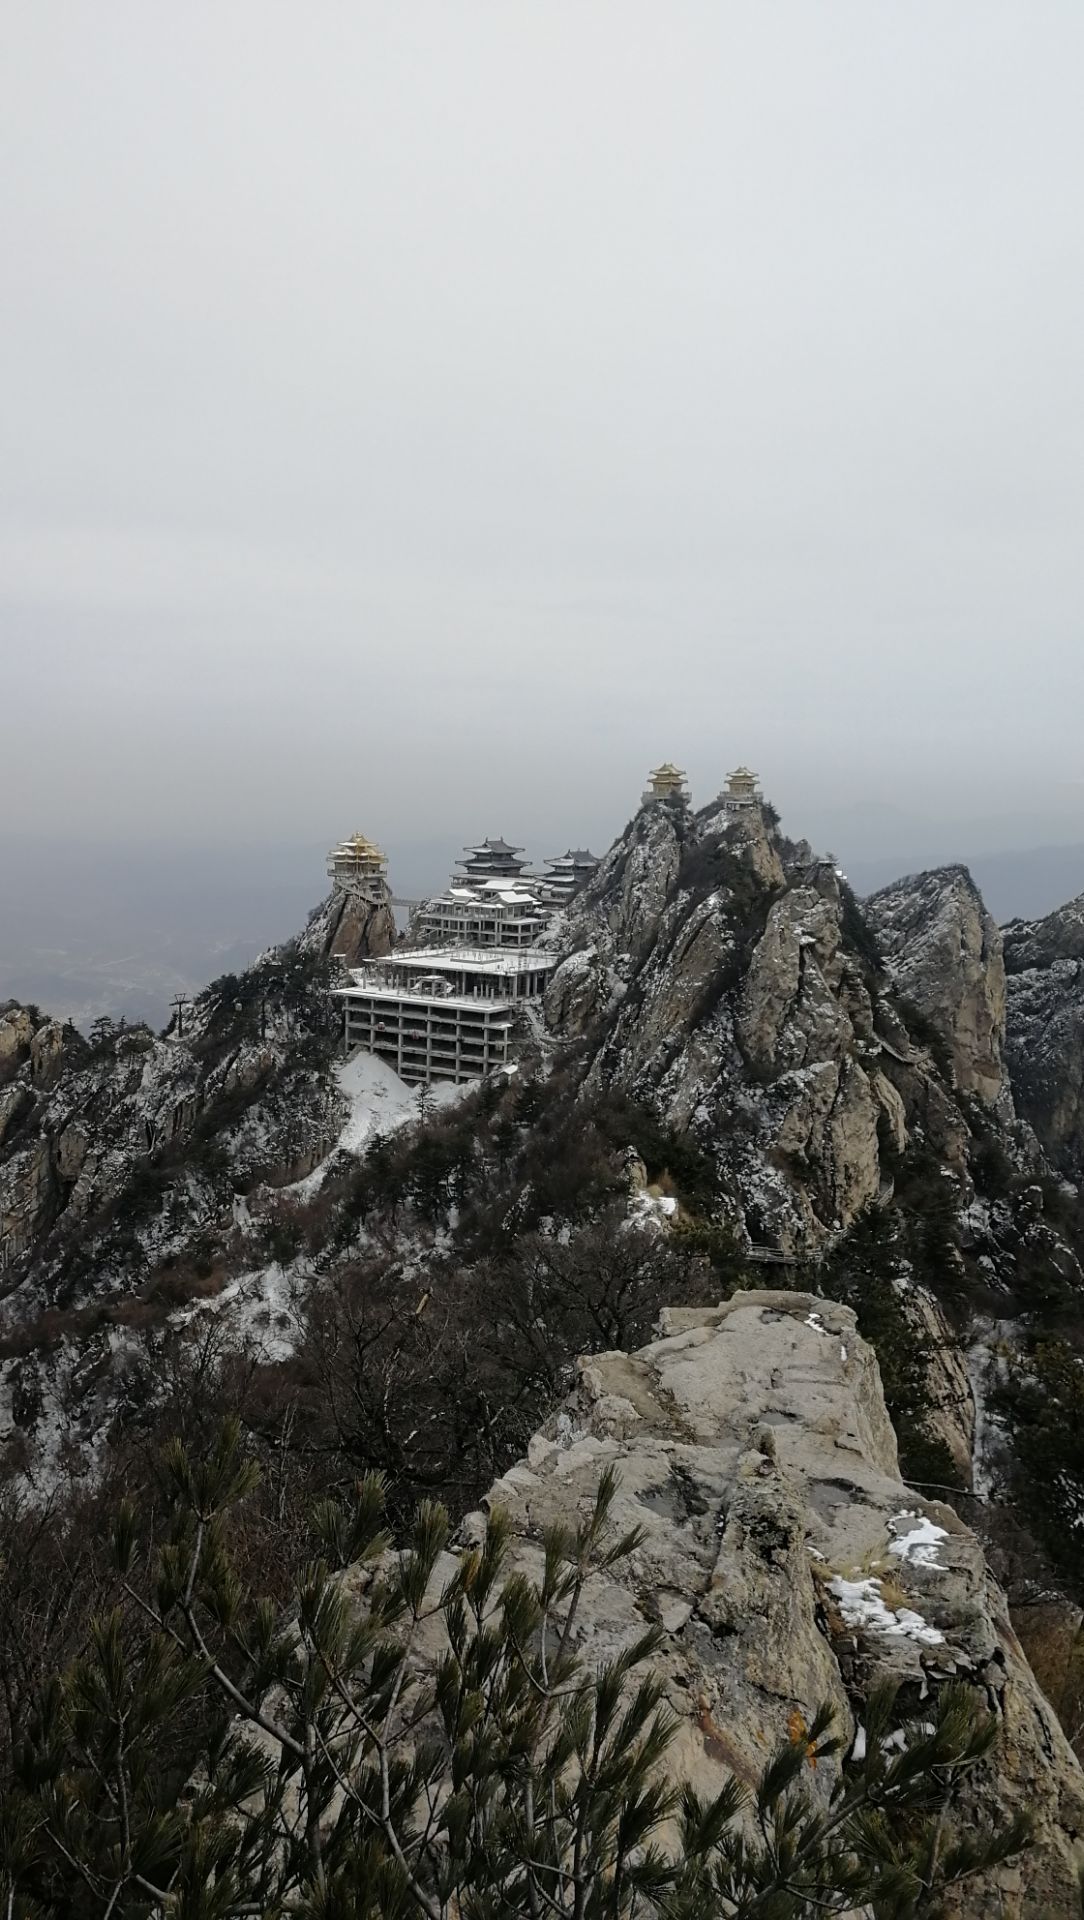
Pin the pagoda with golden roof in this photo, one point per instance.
(742, 791)
(359, 867)
(665, 783)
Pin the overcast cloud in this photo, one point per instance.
(427, 415)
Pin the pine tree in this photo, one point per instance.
(417, 1736)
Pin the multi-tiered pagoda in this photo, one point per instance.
(742, 791)
(491, 860)
(566, 873)
(358, 867)
(665, 783)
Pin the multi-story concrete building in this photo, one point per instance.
(486, 913)
(443, 1013)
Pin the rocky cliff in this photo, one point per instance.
(350, 929)
(730, 978)
(238, 1064)
(788, 1564)
(1045, 965)
(851, 1072)
(943, 952)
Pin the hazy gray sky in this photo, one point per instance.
(426, 415)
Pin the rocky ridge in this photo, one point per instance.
(729, 977)
(1045, 968)
(128, 1155)
(789, 1565)
(856, 1076)
(944, 953)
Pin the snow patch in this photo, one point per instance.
(378, 1102)
(861, 1605)
(920, 1543)
(261, 1310)
(651, 1209)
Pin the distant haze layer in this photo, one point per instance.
(121, 930)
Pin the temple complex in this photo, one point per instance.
(489, 913)
(490, 901)
(451, 1006)
(665, 783)
(457, 1002)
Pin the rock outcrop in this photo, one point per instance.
(1045, 965)
(789, 1565)
(349, 929)
(729, 979)
(616, 921)
(944, 953)
(78, 1119)
(728, 996)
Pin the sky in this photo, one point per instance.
(426, 417)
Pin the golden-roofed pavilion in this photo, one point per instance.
(666, 783)
(742, 789)
(358, 865)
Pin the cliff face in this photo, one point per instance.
(944, 954)
(351, 930)
(729, 979)
(1045, 964)
(845, 1071)
(789, 1565)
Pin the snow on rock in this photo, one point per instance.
(647, 1208)
(760, 1472)
(920, 1542)
(1045, 964)
(945, 953)
(861, 1605)
(378, 1100)
(261, 1310)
